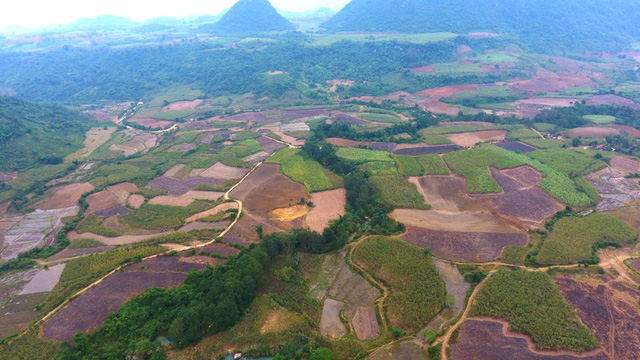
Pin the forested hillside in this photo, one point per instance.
(34, 134)
(250, 16)
(543, 25)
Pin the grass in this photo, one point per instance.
(547, 143)
(433, 165)
(163, 217)
(483, 92)
(417, 291)
(545, 127)
(80, 272)
(494, 58)
(533, 305)
(473, 165)
(397, 192)
(569, 162)
(434, 139)
(85, 244)
(408, 165)
(572, 238)
(326, 40)
(380, 168)
(522, 133)
(381, 118)
(30, 347)
(513, 254)
(600, 119)
(306, 171)
(363, 155)
(93, 224)
(457, 129)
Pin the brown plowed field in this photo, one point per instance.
(328, 205)
(482, 339)
(330, 323)
(64, 196)
(610, 310)
(266, 189)
(185, 199)
(463, 246)
(220, 249)
(173, 171)
(446, 91)
(269, 145)
(215, 210)
(89, 311)
(447, 193)
(102, 200)
(599, 132)
(625, 164)
(471, 138)
(135, 201)
(452, 221)
(179, 187)
(152, 123)
(221, 171)
(182, 105)
(635, 264)
(525, 175)
(612, 100)
(365, 324)
(631, 131)
(424, 69)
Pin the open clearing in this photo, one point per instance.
(616, 190)
(180, 187)
(94, 139)
(328, 205)
(185, 199)
(214, 211)
(330, 323)
(592, 132)
(625, 164)
(64, 196)
(220, 171)
(44, 281)
(609, 309)
(152, 123)
(490, 339)
(182, 105)
(110, 197)
(471, 138)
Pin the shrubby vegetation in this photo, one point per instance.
(575, 239)
(417, 291)
(16, 264)
(533, 305)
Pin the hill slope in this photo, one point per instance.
(34, 134)
(250, 16)
(541, 24)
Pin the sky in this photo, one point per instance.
(37, 13)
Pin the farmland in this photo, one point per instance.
(397, 192)
(532, 304)
(572, 238)
(306, 171)
(417, 290)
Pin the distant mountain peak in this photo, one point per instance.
(250, 16)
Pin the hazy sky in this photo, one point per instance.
(35, 13)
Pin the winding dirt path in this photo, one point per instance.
(88, 287)
(447, 336)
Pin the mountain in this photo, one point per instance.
(250, 16)
(34, 134)
(541, 24)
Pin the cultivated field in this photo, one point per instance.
(328, 205)
(472, 138)
(64, 196)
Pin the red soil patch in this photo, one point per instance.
(525, 175)
(182, 105)
(424, 69)
(347, 143)
(610, 310)
(221, 171)
(152, 123)
(463, 246)
(598, 132)
(484, 339)
(64, 196)
(471, 138)
(625, 164)
(631, 131)
(547, 81)
(8, 176)
(328, 205)
(446, 91)
(438, 107)
(470, 123)
(612, 100)
(89, 311)
(135, 201)
(101, 201)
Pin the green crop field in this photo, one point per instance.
(493, 58)
(522, 133)
(547, 143)
(417, 291)
(408, 165)
(93, 224)
(545, 127)
(380, 167)
(572, 238)
(306, 171)
(483, 92)
(569, 162)
(473, 165)
(457, 129)
(433, 165)
(363, 155)
(533, 305)
(600, 119)
(163, 217)
(434, 139)
(398, 192)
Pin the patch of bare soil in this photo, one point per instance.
(174, 171)
(609, 309)
(616, 190)
(328, 205)
(470, 139)
(221, 171)
(487, 339)
(463, 246)
(94, 139)
(64, 196)
(446, 91)
(597, 132)
(631, 131)
(625, 164)
(456, 287)
(185, 199)
(404, 350)
(365, 323)
(452, 221)
(330, 323)
(136, 200)
(289, 213)
(101, 201)
(182, 105)
(152, 123)
(215, 210)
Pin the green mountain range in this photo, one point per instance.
(250, 16)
